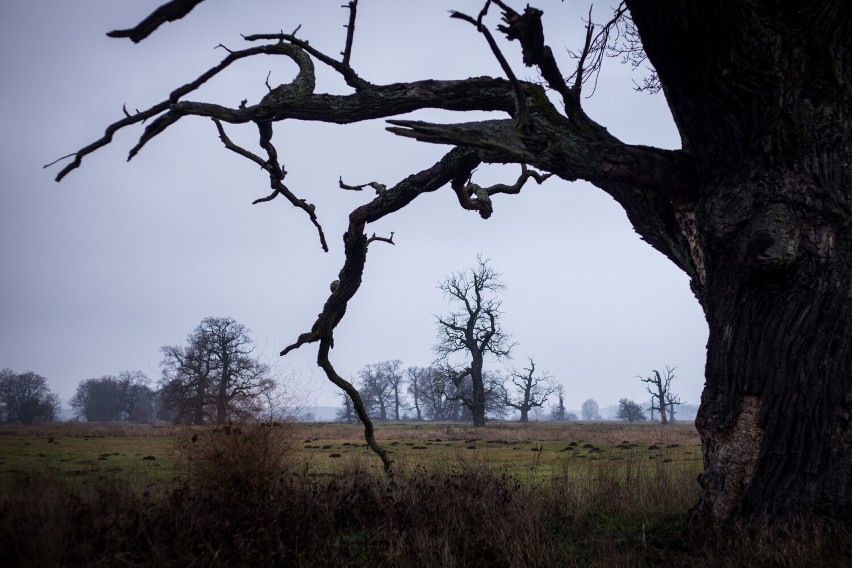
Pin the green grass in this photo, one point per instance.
(79, 460)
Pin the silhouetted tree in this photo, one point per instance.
(25, 398)
(530, 390)
(754, 207)
(473, 329)
(659, 386)
(630, 411)
(215, 377)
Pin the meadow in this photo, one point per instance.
(304, 494)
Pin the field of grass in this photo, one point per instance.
(543, 494)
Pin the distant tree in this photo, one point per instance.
(392, 373)
(473, 329)
(437, 395)
(215, 377)
(672, 400)
(25, 398)
(526, 390)
(590, 410)
(630, 411)
(346, 413)
(109, 398)
(417, 379)
(557, 411)
(659, 386)
(376, 391)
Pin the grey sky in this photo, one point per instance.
(122, 258)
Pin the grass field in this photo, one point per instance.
(542, 494)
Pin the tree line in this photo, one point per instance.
(214, 378)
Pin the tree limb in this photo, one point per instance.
(168, 12)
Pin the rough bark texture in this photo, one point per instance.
(761, 94)
(755, 208)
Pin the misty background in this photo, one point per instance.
(121, 258)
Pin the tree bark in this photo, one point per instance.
(762, 95)
(477, 398)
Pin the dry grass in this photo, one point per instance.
(252, 495)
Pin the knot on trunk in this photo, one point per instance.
(772, 240)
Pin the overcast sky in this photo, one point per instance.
(121, 258)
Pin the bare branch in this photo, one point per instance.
(276, 174)
(352, 79)
(379, 187)
(522, 112)
(388, 240)
(165, 105)
(350, 32)
(355, 241)
(369, 435)
(168, 12)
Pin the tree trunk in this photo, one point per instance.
(761, 93)
(776, 413)
(477, 406)
(524, 414)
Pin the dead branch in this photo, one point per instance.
(379, 187)
(276, 174)
(521, 111)
(168, 12)
(352, 79)
(350, 32)
(388, 240)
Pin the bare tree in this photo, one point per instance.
(376, 390)
(26, 398)
(672, 400)
(590, 410)
(473, 329)
(215, 377)
(531, 390)
(754, 208)
(659, 388)
(417, 379)
(438, 395)
(630, 411)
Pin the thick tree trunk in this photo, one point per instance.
(525, 417)
(776, 413)
(762, 95)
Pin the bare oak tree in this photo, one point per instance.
(659, 389)
(755, 207)
(472, 329)
(531, 390)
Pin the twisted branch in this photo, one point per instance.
(276, 174)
